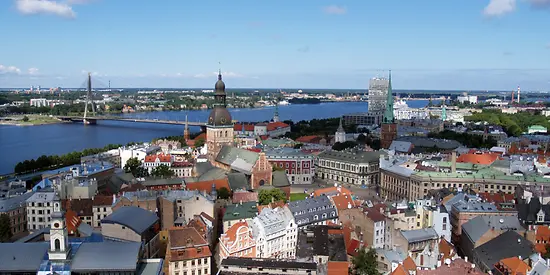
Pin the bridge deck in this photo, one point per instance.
(158, 121)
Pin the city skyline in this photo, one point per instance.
(451, 45)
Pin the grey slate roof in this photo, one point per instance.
(106, 256)
(476, 227)
(238, 181)
(280, 179)
(508, 244)
(239, 159)
(419, 234)
(319, 205)
(400, 146)
(246, 210)
(10, 204)
(22, 257)
(42, 197)
(351, 155)
(135, 218)
(272, 221)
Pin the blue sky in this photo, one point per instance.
(428, 44)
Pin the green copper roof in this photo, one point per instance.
(388, 114)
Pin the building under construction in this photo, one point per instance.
(378, 94)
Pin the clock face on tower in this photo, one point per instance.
(223, 120)
(56, 225)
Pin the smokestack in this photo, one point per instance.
(453, 162)
(519, 91)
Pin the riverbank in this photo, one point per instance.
(29, 120)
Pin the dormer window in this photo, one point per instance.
(540, 216)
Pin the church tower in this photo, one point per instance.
(389, 127)
(276, 114)
(340, 135)
(59, 242)
(219, 128)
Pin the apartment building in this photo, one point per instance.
(276, 233)
(39, 210)
(351, 166)
(188, 252)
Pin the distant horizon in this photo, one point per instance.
(293, 90)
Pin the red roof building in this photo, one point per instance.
(187, 251)
(208, 186)
(237, 242)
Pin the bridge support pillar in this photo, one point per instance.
(89, 121)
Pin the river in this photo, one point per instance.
(19, 143)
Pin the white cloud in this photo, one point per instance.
(9, 70)
(33, 71)
(333, 9)
(229, 74)
(499, 7)
(200, 75)
(45, 7)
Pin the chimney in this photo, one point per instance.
(453, 162)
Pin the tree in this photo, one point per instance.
(25, 118)
(223, 193)
(162, 171)
(546, 255)
(267, 196)
(365, 263)
(361, 139)
(131, 165)
(339, 146)
(5, 228)
(199, 142)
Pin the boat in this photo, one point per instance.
(400, 104)
(284, 102)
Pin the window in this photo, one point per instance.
(57, 245)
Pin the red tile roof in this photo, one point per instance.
(161, 157)
(186, 244)
(276, 125)
(257, 150)
(244, 196)
(342, 202)
(374, 215)
(409, 264)
(207, 185)
(309, 139)
(497, 197)
(478, 158)
(102, 200)
(457, 267)
(72, 220)
(542, 237)
(338, 268)
(332, 189)
(247, 127)
(399, 270)
(182, 164)
(514, 266)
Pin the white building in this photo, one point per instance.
(275, 233)
(39, 210)
(472, 99)
(182, 169)
(340, 135)
(136, 151)
(102, 207)
(153, 161)
(350, 166)
(39, 102)
(441, 222)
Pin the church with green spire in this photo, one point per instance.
(388, 131)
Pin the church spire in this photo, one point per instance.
(276, 114)
(388, 114)
(340, 127)
(219, 71)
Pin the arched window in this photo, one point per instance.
(324, 215)
(225, 133)
(262, 182)
(315, 217)
(57, 245)
(332, 214)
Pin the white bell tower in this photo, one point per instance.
(59, 242)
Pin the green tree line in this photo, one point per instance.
(55, 161)
(513, 124)
(469, 140)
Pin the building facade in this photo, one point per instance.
(39, 210)
(378, 94)
(275, 233)
(349, 167)
(237, 241)
(299, 166)
(188, 252)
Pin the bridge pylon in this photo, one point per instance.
(90, 100)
